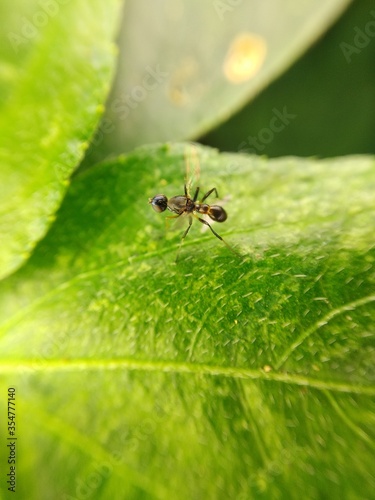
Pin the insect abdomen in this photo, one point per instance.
(217, 213)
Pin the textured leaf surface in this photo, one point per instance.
(218, 376)
(186, 66)
(55, 69)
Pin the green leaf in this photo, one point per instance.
(214, 377)
(200, 62)
(331, 71)
(57, 63)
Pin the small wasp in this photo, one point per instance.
(186, 205)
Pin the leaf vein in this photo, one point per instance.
(58, 366)
(319, 324)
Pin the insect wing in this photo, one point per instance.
(192, 168)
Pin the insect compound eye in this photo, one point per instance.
(159, 203)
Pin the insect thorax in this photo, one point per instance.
(178, 204)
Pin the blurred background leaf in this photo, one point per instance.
(187, 66)
(330, 92)
(55, 72)
(219, 377)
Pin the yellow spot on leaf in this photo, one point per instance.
(245, 57)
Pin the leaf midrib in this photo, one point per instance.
(81, 364)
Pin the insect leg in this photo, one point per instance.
(170, 217)
(184, 236)
(196, 194)
(213, 190)
(188, 228)
(217, 235)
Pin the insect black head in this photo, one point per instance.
(159, 202)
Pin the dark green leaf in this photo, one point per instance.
(330, 116)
